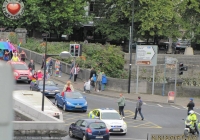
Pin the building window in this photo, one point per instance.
(91, 6)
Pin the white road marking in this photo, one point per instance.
(184, 107)
(175, 107)
(144, 103)
(159, 105)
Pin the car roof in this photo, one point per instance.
(107, 110)
(19, 62)
(92, 120)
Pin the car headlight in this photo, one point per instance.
(57, 90)
(45, 90)
(16, 74)
(124, 123)
(69, 103)
(85, 103)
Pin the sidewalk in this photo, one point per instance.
(182, 101)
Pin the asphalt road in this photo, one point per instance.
(158, 118)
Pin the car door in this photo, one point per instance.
(59, 99)
(77, 128)
(82, 128)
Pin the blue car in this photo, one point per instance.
(89, 129)
(51, 88)
(71, 101)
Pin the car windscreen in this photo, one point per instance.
(47, 83)
(73, 95)
(110, 116)
(97, 125)
(20, 67)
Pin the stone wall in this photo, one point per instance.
(121, 85)
(21, 34)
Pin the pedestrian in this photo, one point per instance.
(57, 68)
(75, 70)
(194, 120)
(99, 79)
(43, 58)
(6, 55)
(190, 105)
(31, 66)
(92, 72)
(23, 56)
(15, 58)
(93, 81)
(121, 104)
(138, 108)
(72, 65)
(1, 54)
(47, 75)
(103, 81)
(39, 75)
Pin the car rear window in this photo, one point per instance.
(20, 67)
(97, 125)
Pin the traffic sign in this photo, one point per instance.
(146, 55)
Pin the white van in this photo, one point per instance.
(34, 99)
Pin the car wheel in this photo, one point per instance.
(84, 137)
(124, 134)
(84, 110)
(71, 134)
(56, 103)
(64, 107)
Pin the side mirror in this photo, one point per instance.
(73, 124)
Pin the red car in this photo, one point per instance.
(21, 71)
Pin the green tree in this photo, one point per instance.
(151, 18)
(55, 16)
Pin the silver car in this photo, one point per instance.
(181, 44)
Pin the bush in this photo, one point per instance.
(107, 58)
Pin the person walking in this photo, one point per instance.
(121, 104)
(72, 65)
(99, 79)
(57, 68)
(15, 58)
(43, 58)
(31, 66)
(190, 105)
(138, 108)
(103, 81)
(23, 56)
(75, 70)
(92, 72)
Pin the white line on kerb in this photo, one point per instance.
(184, 107)
(197, 113)
(159, 105)
(175, 107)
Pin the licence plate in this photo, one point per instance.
(23, 77)
(51, 93)
(78, 107)
(116, 129)
(99, 137)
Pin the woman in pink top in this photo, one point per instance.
(39, 75)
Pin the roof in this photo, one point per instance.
(107, 110)
(93, 120)
(19, 62)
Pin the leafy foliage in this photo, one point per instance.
(107, 58)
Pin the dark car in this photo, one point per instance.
(89, 129)
(51, 88)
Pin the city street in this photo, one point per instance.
(158, 118)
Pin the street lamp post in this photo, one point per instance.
(63, 54)
(131, 48)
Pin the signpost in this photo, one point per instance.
(146, 55)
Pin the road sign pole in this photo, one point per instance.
(175, 82)
(137, 79)
(153, 80)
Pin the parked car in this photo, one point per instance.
(21, 71)
(111, 118)
(88, 129)
(71, 101)
(51, 88)
(181, 44)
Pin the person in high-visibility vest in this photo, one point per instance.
(91, 115)
(194, 120)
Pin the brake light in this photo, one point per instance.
(88, 130)
(107, 131)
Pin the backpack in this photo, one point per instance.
(94, 78)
